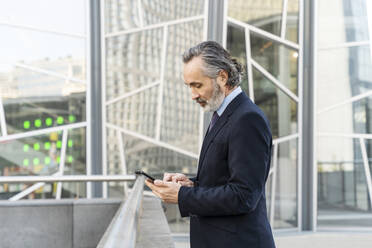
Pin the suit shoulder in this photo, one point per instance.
(248, 110)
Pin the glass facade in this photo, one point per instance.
(149, 120)
(272, 83)
(344, 117)
(43, 95)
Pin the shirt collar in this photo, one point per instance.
(228, 99)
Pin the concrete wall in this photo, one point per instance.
(55, 223)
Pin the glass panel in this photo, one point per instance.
(342, 21)
(136, 113)
(38, 155)
(46, 14)
(35, 101)
(113, 153)
(286, 186)
(342, 189)
(368, 143)
(278, 107)
(278, 60)
(133, 61)
(266, 15)
(349, 118)
(155, 159)
(149, 157)
(352, 75)
(66, 56)
(180, 116)
(122, 15)
(291, 32)
(75, 163)
(236, 46)
(164, 10)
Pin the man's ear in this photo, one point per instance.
(222, 79)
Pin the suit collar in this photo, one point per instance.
(222, 120)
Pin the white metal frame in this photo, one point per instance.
(298, 99)
(2, 119)
(43, 30)
(360, 136)
(300, 111)
(160, 84)
(88, 136)
(103, 96)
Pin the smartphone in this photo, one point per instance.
(139, 172)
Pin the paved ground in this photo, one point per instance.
(310, 240)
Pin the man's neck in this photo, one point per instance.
(229, 90)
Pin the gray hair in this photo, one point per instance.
(215, 59)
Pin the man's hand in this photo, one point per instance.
(166, 191)
(178, 178)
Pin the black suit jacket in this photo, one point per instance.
(227, 204)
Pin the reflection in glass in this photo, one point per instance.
(38, 155)
(351, 77)
(353, 117)
(164, 10)
(291, 32)
(136, 113)
(278, 107)
(122, 15)
(149, 157)
(180, 116)
(132, 61)
(342, 21)
(266, 15)
(368, 143)
(236, 46)
(50, 15)
(285, 214)
(75, 163)
(34, 101)
(277, 59)
(65, 56)
(342, 187)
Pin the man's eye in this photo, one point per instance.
(198, 86)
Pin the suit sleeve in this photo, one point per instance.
(248, 160)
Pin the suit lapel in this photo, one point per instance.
(222, 120)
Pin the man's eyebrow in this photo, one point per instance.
(193, 83)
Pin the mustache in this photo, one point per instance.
(199, 100)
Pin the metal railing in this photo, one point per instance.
(74, 178)
(122, 231)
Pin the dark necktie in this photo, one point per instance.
(213, 120)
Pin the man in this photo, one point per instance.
(226, 200)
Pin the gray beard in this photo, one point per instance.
(216, 100)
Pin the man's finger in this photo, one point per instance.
(159, 183)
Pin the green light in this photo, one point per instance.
(36, 147)
(47, 160)
(36, 161)
(26, 162)
(70, 159)
(59, 144)
(37, 123)
(26, 124)
(60, 120)
(47, 145)
(58, 159)
(48, 121)
(72, 118)
(70, 143)
(26, 147)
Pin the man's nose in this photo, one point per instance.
(194, 95)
